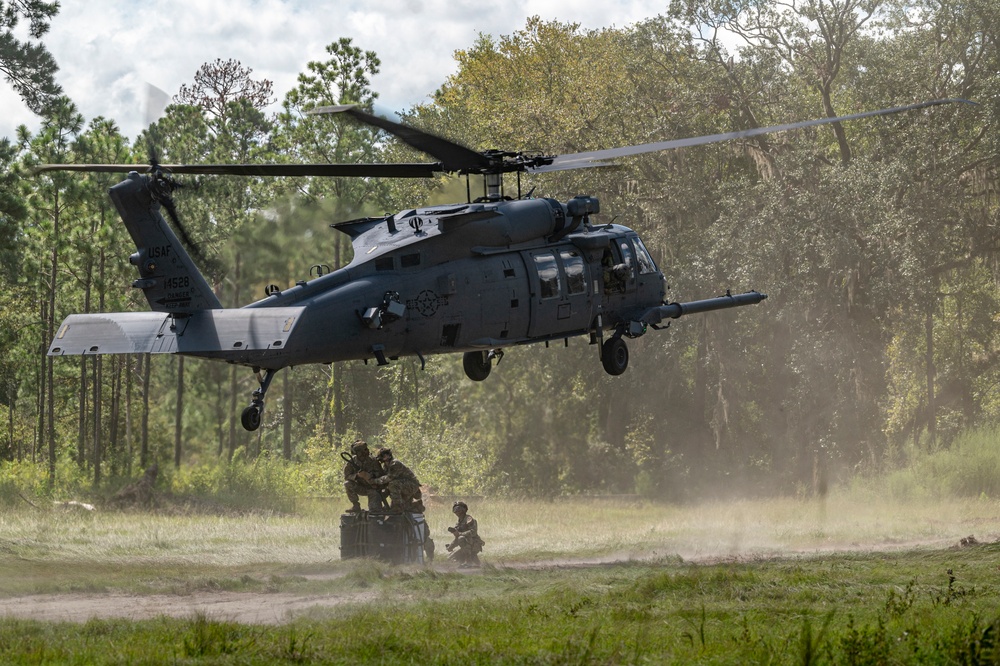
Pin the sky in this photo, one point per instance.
(110, 51)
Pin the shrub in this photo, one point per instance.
(970, 467)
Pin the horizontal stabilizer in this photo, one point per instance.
(225, 334)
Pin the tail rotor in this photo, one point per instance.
(162, 185)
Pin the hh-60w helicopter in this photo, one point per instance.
(475, 277)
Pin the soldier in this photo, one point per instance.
(357, 470)
(615, 275)
(467, 539)
(402, 484)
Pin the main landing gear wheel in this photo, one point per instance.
(614, 356)
(251, 418)
(477, 364)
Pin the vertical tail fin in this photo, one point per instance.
(167, 275)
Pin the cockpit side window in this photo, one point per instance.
(646, 263)
(615, 271)
(627, 258)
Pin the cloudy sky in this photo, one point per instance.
(109, 50)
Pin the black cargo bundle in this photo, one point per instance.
(397, 538)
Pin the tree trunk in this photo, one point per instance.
(232, 411)
(931, 403)
(416, 385)
(700, 397)
(326, 420)
(144, 444)
(97, 446)
(114, 448)
(233, 384)
(338, 398)
(179, 414)
(50, 334)
(128, 415)
(81, 429)
(220, 418)
(39, 437)
(82, 395)
(286, 434)
(98, 386)
(336, 368)
(10, 430)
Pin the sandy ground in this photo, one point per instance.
(281, 607)
(241, 607)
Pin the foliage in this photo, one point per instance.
(28, 66)
(969, 467)
(261, 484)
(218, 84)
(446, 457)
(24, 482)
(876, 241)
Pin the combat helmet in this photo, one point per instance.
(359, 446)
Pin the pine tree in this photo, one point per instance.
(27, 66)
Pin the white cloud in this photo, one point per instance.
(109, 50)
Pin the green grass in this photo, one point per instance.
(851, 579)
(861, 608)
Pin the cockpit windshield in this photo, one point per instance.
(646, 264)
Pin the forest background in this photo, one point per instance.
(876, 241)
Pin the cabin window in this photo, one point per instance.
(410, 260)
(576, 281)
(646, 265)
(548, 275)
(383, 264)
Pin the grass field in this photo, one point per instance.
(844, 580)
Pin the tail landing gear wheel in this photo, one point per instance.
(614, 356)
(251, 418)
(477, 365)
(251, 415)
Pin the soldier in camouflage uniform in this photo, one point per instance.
(362, 465)
(467, 540)
(402, 484)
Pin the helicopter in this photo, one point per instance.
(476, 278)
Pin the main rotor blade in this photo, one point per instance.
(585, 160)
(453, 156)
(93, 168)
(403, 170)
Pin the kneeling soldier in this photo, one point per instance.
(467, 545)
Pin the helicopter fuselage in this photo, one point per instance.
(424, 288)
(474, 278)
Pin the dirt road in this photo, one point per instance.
(282, 607)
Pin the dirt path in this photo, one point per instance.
(282, 607)
(241, 607)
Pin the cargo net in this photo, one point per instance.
(397, 538)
